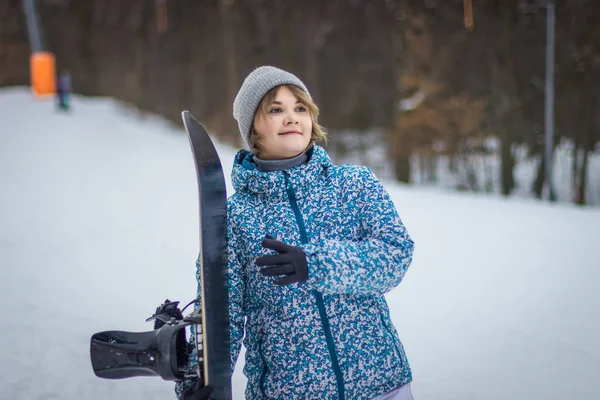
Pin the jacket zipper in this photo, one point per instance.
(318, 296)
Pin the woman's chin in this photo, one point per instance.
(293, 149)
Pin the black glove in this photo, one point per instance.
(290, 262)
(166, 311)
(197, 391)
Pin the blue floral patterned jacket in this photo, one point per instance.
(330, 337)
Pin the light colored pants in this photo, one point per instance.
(402, 393)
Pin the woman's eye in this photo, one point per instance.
(275, 110)
(300, 109)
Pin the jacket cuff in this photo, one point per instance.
(312, 262)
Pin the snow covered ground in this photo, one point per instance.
(98, 225)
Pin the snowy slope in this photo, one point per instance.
(98, 225)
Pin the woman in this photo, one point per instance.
(312, 248)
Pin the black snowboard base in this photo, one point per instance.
(213, 341)
(164, 352)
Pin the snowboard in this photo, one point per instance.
(212, 343)
(163, 351)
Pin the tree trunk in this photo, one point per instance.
(471, 176)
(89, 85)
(453, 163)
(540, 177)
(538, 184)
(402, 168)
(230, 65)
(580, 194)
(139, 55)
(575, 167)
(488, 175)
(508, 162)
(422, 169)
(431, 164)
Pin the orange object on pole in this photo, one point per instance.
(43, 73)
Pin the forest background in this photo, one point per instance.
(448, 93)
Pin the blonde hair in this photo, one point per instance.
(318, 133)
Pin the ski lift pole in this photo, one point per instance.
(42, 63)
(33, 27)
(549, 120)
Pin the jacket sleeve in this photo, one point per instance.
(244, 310)
(237, 295)
(377, 261)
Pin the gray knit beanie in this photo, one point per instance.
(254, 88)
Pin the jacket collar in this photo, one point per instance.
(246, 178)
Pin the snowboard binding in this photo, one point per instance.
(162, 352)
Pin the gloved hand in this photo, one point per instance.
(290, 262)
(197, 391)
(167, 310)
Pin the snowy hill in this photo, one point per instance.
(98, 225)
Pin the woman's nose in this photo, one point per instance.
(290, 119)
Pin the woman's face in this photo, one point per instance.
(285, 131)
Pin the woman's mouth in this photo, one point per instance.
(290, 133)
